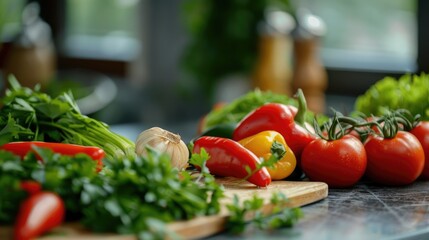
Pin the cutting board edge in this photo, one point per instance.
(217, 223)
(310, 192)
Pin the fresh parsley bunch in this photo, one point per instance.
(130, 195)
(29, 114)
(140, 195)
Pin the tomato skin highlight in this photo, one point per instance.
(229, 158)
(339, 163)
(421, 131)
(38, 214)
(394, 161)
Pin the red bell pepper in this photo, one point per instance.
(285, 119)
(39, 213)
(22, 148)
(228, 158)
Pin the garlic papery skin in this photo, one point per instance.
(166, 142)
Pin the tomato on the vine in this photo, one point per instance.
(340, 163)
(421, 131)
(336, 157)
(394, 161)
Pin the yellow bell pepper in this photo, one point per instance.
(261, 143)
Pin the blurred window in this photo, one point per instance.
(367, 34)
(105, 29)
(365, 39)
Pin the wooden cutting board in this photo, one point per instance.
(299, 193)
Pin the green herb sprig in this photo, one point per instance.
(278, 150)
(249, 213)
(29, 114)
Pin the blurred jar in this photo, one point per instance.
(31, 54)
(273, 68)
(309, 74)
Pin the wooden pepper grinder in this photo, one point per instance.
(273, 71)
(309, 72)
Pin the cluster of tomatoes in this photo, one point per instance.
(390, 150)
(387, 150)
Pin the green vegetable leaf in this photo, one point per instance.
(22, 105)
(12, 130)
(409, 92)
(277, 152)
(199, 159)
(53, 109)
(37, 116)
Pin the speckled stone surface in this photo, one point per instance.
(363, 212)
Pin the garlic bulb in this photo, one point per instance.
(164, 142)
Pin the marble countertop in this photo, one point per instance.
(363, 212)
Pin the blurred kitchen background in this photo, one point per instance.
(168, 61)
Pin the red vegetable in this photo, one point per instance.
(38, 214)
(229, 158)
(285, 119)
(22, 148)
(396, 160)
(31, 187)
(421, 131)
(340, 163)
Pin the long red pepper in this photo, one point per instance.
(229, 158)
(31, 186)
(285, 119)
(22, 148)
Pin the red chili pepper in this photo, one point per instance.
(22, 148)
(285, 119)
(38, 214)
(31, 187)
(229, 158)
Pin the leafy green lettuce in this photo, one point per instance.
(409, 92)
